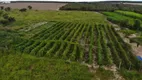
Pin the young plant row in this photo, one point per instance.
(58, 49)
(91, 43)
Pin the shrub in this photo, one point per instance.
(29, 7)
(137, 24)
(7, 9)
(5, 16)
(11, 19)
(4, 21)
(1, 13)
(23, 10)
(124, 23)
(2, 7)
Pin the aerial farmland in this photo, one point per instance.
(70, 41)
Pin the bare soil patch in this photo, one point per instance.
(138, 51)
(36, 6)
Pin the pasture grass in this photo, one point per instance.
(26, 19)
(26, 67)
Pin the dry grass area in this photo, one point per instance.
(36, 6)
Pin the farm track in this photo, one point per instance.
(89, 43)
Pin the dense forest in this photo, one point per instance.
(102, 7)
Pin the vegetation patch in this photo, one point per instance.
(102, 6)
(26, 19)
(131, 75)
(14, 67)
(80, 42)
(124, 21)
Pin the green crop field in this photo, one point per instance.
(118, 18)
(124, 19)
(80, 42)
(130, 14)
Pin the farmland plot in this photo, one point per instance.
(83, 42)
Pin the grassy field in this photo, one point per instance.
(28, 18)
(26, 67)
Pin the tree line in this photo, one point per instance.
(102, 7)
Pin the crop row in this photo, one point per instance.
(125, 19)
(130, 14)
(91, 43)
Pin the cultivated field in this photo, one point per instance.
(90, 43)
(36, 6)
(70, 45)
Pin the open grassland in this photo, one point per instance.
(25, 67)
(28, 18)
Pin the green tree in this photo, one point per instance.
(23, 10)
(30, 7)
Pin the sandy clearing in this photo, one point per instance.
(138, 51)
(36, 6)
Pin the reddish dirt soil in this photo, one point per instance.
(36, 6)
(138, 51)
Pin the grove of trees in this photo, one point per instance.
(102, 7)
